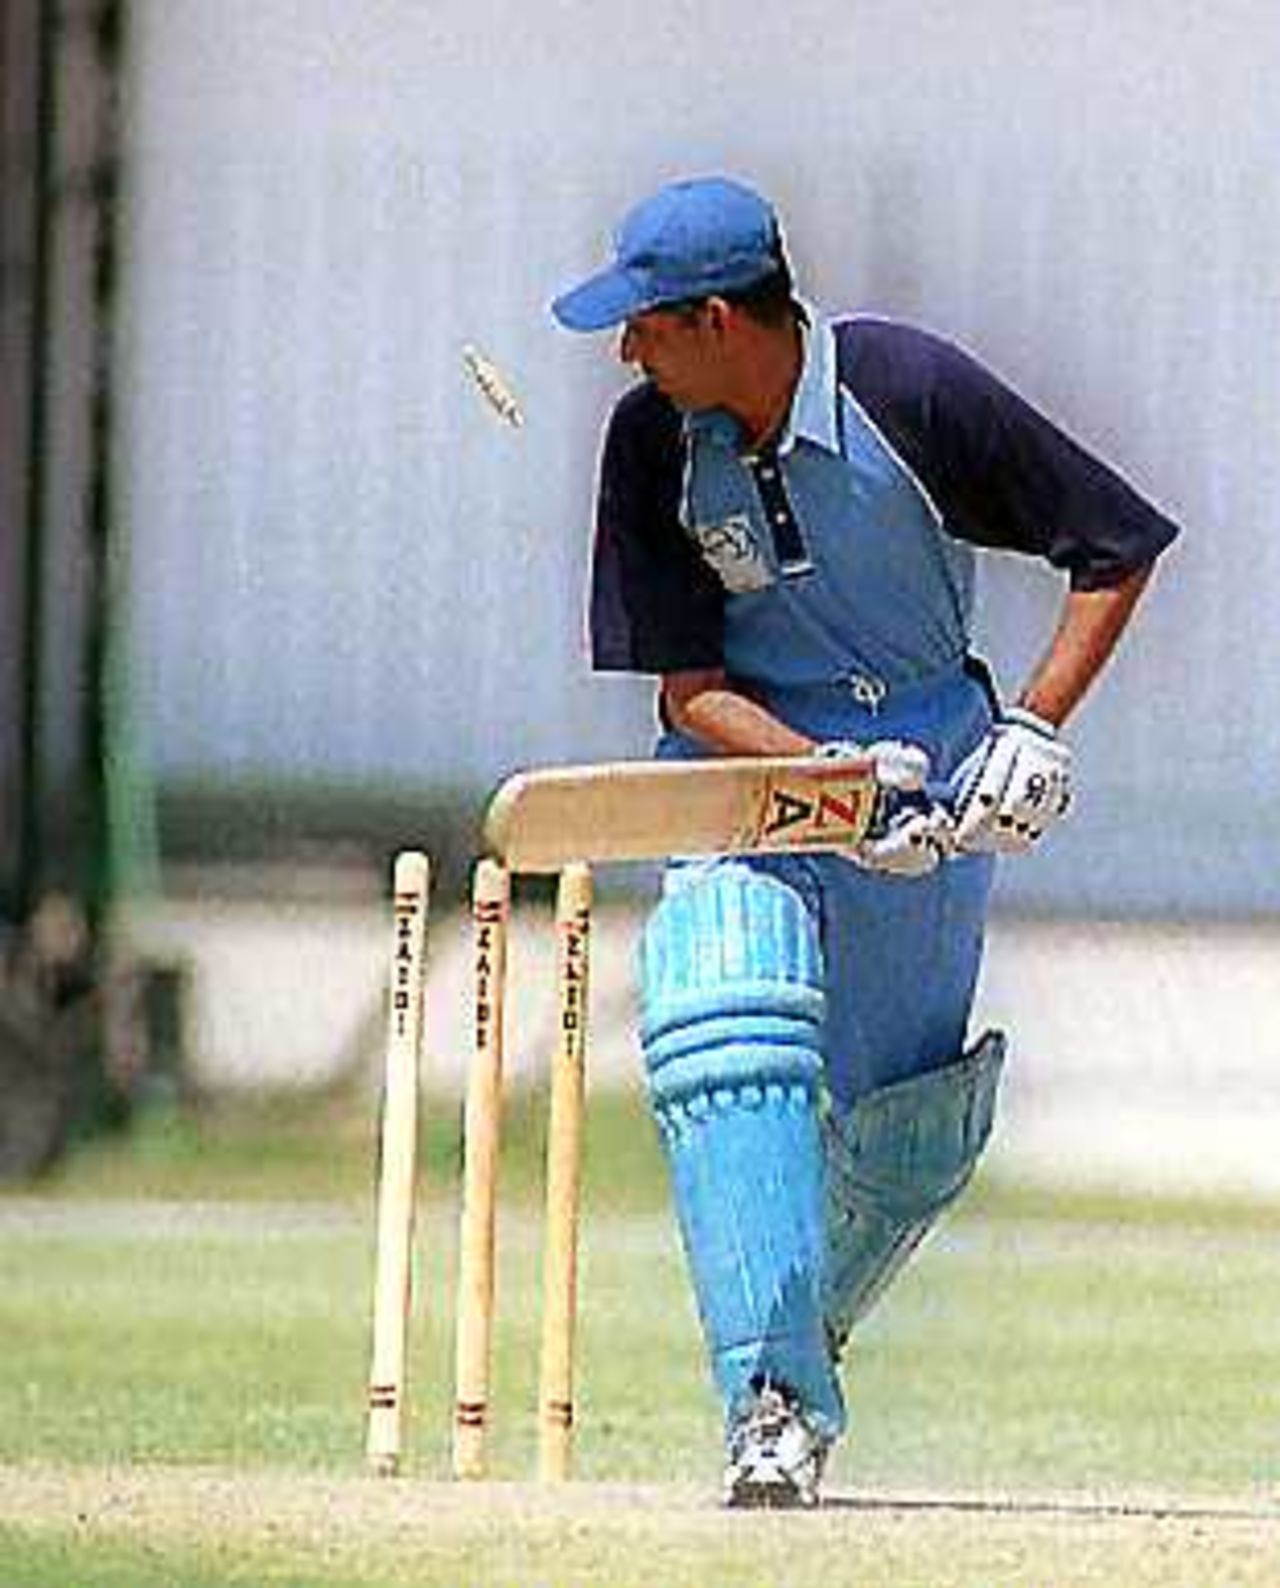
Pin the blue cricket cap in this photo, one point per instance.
(690, 240)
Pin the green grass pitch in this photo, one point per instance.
(1060, 1391)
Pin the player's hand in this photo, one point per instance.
(1013, 786)
(915, 833)
(913, 841)
(898, 765)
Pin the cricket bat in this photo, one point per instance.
(539, 821)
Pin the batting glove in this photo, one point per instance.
(914, 833)
(1013, 787)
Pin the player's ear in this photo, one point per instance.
(717, 315)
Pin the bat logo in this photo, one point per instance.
(822, 816)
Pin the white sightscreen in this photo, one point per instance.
(347, 572)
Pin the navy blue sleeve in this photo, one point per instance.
(655, 605)
(1001, 474)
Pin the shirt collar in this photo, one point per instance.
(813, 414)
(813, 408)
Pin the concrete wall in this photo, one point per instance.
(1142, 1055)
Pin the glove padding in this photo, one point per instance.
(910, 839)
(1013, 787)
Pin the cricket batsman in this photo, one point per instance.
(789, 512)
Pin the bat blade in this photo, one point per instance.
(539, 821)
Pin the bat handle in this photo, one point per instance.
(937, 791)
(940, 791)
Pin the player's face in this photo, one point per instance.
(679, 353)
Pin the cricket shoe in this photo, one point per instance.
(775, 1456)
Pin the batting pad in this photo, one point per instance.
(732, 1011)
(894, 1162)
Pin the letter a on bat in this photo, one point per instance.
(788, 809)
